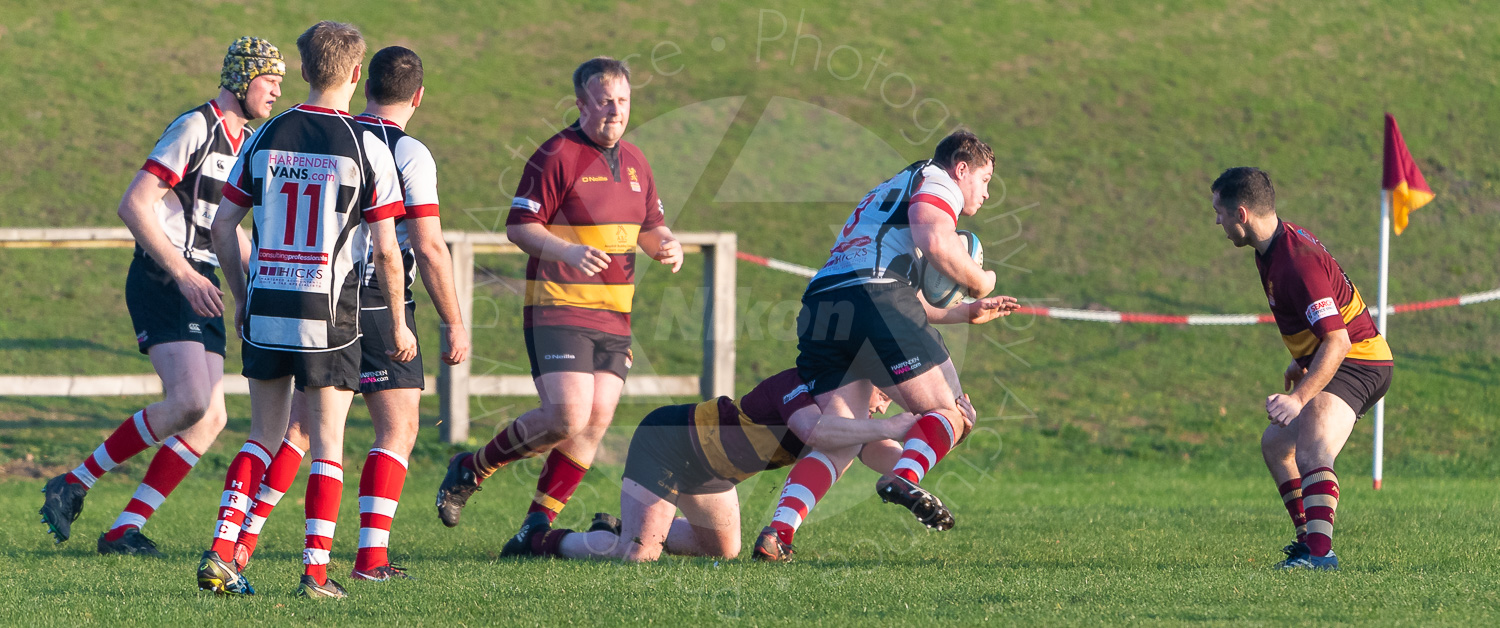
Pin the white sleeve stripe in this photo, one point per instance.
(521, 202)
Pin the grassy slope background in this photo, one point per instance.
(1108, 119)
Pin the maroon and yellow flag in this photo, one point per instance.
(1408, 189)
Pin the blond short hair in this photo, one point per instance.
(330, 52)
(605, 68)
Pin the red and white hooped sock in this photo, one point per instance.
(926, 443)
(132, 437)
(325, 489)
(273, 485)
(168, 467)
(244, 470)
(1320, 498)
(380, 485)
(807, 483)
(1291, 496)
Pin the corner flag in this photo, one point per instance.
(1401, 177)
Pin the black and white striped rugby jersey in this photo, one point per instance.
(876, 245)
(193, 157)
(419, 188)
(313, 177)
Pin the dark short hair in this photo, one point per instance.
(1250, 187)
(602, 67)
(395, 75)
(963, 146)
(330, 51)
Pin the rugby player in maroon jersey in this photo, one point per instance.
(691, 456)
(1340, 366)
(585, 201)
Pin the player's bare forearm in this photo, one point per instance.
(537, 241)
(387, 259)
(137, 211)
(836, 432)
(651, 241)
(662, 246)
(226, 238)
(1326, 361)
(934, 232)
(244, 240)
(436, 267)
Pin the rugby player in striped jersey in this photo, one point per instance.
(391, 389)
(172, 293)
(322, 188)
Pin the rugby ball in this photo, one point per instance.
(940, 290)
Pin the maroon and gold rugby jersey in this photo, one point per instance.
(740, 440)
(1310, 297)
(585, 194)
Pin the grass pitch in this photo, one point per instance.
(1143, 543)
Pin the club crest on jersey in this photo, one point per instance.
(635, 183)
(1321, 309)
(1271, 292)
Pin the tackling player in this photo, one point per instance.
(1340, 366)
(810, 478)
(391, 389)
(315, 179)
(173, 296)
(863, 322)
(691, 456)
(585, 201)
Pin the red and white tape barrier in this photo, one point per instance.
(1108, 316)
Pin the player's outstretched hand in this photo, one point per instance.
(586, 258)
(990, 308)
(201, 294)
(455, 344)
(1282, 409)
(670, 254)
(1292, 376)
(406, 346)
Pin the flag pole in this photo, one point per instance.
(1385, 261)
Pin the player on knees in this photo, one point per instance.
(392, 390)
(173, 296)
(1340, 367)
(585, 201)
(863, 321)
(814, 474)
(691, 456)
(316, 181)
